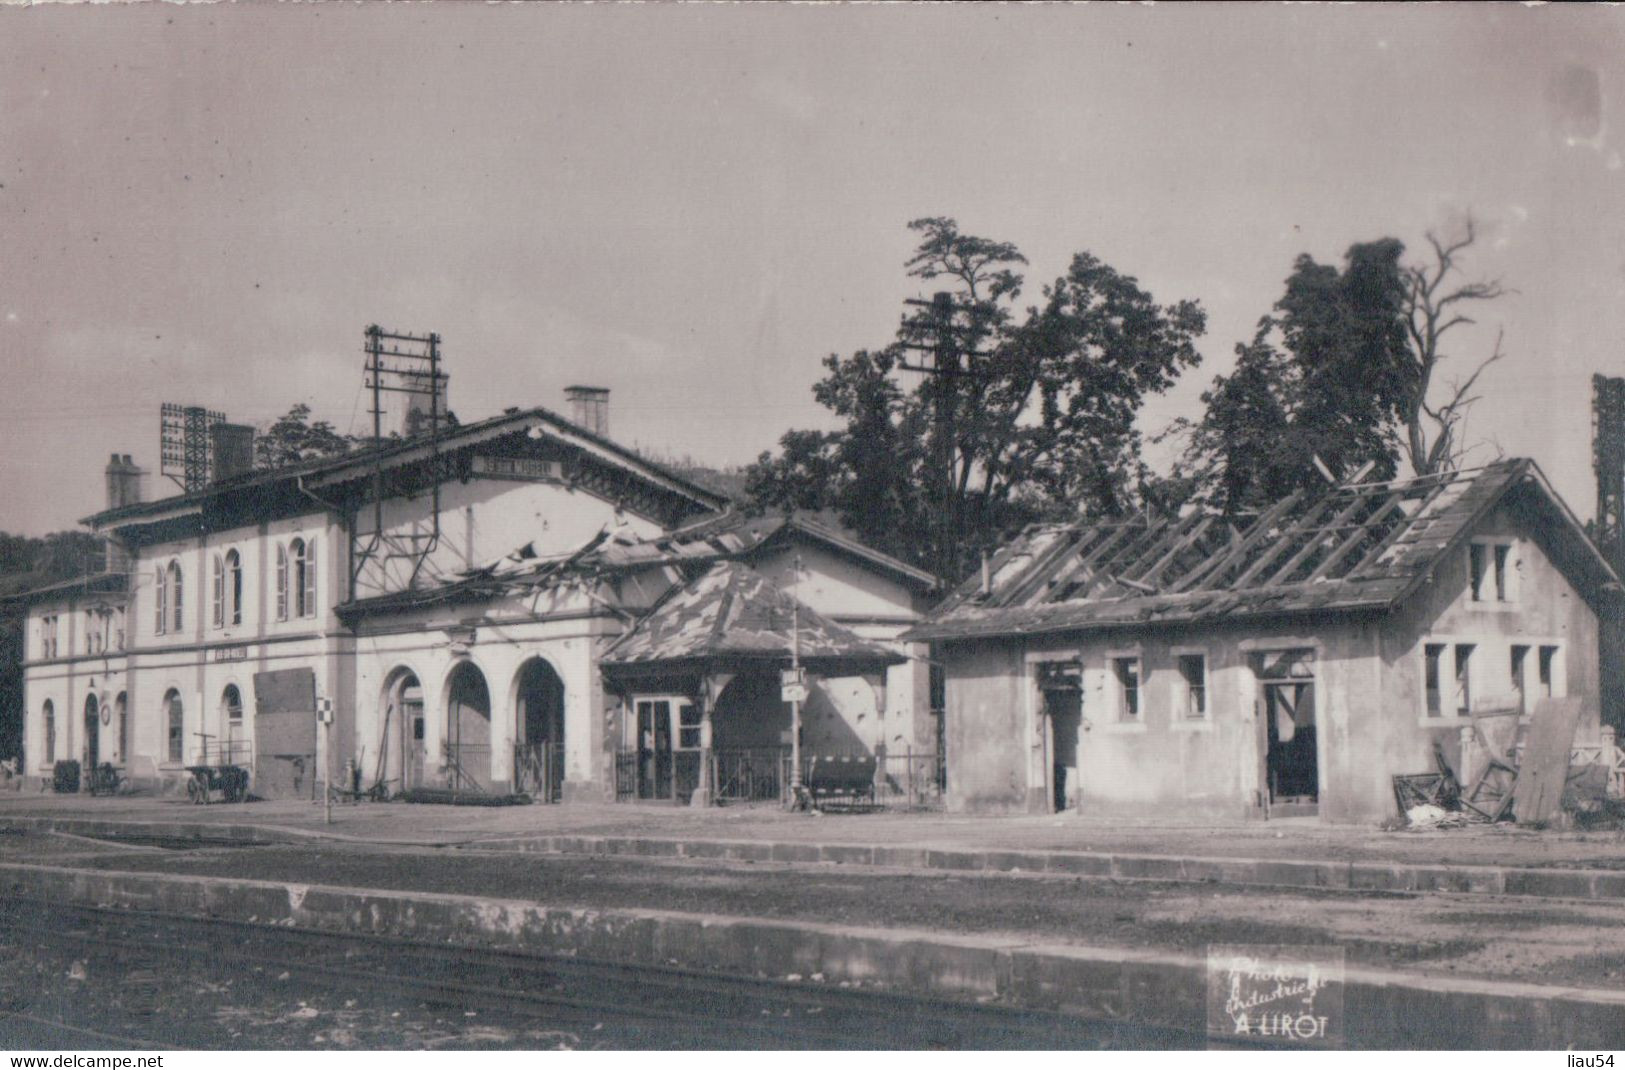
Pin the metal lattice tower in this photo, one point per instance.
(1608, 460)
(184, 447)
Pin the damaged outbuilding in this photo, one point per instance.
(1286, 663)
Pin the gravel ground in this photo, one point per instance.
(1569, 942)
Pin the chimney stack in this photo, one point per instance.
(231, 448)
(589, 407)
(123, 481)
(123, 488)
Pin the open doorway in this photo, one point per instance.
(468, 719)
(539, 757)
(93, 713)
(1291, 755)
(1060, 683)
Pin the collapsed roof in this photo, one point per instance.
(1363, 547)
(733, 613)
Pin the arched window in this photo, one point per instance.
(160, 599)
(177, 598)
(281, 582)
(231, 701)
(49, 712)
(234, 587)
(217, 593)
(304, 576)
(176, 717)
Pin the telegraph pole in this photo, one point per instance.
(946, 370)
(796, 689)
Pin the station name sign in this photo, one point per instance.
(229, 653)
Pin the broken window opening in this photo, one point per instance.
(1193, 671)
(1476, 570)
(1433, 653)
(1548, 675)
(1519, 658)
(1464, 678)
(1127, 672)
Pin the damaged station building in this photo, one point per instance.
(1288, 663)
(514, 606)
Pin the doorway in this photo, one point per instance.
(403, 713)
(654, 749)
(468, 716)
(539, 757)
(1291, 756)
(93, 715)
(1060, 687)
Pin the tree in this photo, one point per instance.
(1021, 414)
(293, 438)
(1434, 305)
(1341, 371)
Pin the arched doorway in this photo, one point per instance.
(468, 725)
(404, 720)
(539, 754)
(93, 714)
(234, 738)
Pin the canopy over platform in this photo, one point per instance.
(733, 618)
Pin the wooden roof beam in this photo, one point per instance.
(1317, 540)
(1085, 562)
(1250, 538)
(1190, 539)
(1399, 530)
(1354, 538)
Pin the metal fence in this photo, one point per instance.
(910, 780)
(538, 770)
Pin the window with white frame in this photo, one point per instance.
(1192, 686)
(1492, 572)
(688, 726)
(302, 576)
(1126, 682)
(47, 636)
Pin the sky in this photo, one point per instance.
(693, 205)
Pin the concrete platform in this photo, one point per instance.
(1487, 860)
(1384, 1009)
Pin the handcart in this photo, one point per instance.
(223, 772)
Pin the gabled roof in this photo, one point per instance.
(358, 464)
(1365, 547)
(733, 612)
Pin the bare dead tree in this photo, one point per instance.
(1437, 302)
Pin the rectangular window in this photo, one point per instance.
(217, 601)
(1518, 660)
(1127, 672)
(688, 726)
(1464, 677)
(1503, 553)
(1193, 671)
(1434, 654)
(1548, 672)
(1476, 569)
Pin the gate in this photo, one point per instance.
(538, 771)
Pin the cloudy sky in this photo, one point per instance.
(692, 205)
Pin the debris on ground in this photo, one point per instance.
(1426, 817)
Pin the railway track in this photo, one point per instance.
(616, 1004)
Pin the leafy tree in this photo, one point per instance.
(1342, 371)
(293, 438)
(1027, 413)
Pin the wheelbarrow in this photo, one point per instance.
(231, 781)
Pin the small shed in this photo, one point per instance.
(700, 681)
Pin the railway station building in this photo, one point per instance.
(452, 598)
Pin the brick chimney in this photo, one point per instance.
(589, 407)
(123, 481)
(123, 488)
